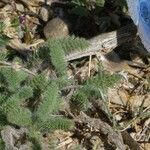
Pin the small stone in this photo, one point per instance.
(6, 8)
(56, 28)
(45, 13)
(20, 7)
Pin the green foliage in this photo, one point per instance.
(3, 119)
(33, 59)
(57, 58)
(49, 103)
(80, 100)
(34, 101)
(103, 80)
(11, 78)
(3, 40)
(2, 97)
(60, 47)
(14, 112)
(2, 27)
(36, 138)
(82, 8)
(56, 50)
(19, 116)
(3, 56)
(94, 87)
(2, 144)
(80, 11)
(63, 81)
(100, 3)
(86, 3)
(25, 92)
(15, 22)
(55, 122)
(19, 91)
(72, 43)
(39, 82)
(12, 102)
(17, 88)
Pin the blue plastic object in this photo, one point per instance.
(140, 13)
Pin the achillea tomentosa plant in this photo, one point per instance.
(33, 100)
(19, 92)
(93, 89)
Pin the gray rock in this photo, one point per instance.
(45, 13)
(56, 28)
(10, 134)
(20, 7)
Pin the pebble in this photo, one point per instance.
(56, 28)
(20, 7)
(7, 8)
(45, 13)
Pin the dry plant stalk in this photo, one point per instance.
(106, 42)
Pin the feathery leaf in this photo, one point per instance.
(20, 116)
(49, 103)
(56, 123)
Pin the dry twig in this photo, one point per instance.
(106, 42)
(98, 125)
